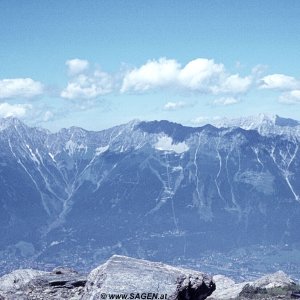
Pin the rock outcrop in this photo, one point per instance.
(120, 275)
(134, 277)
(18, 279)
(272, 286)
(226, 288)
(129, 278)
(61, 283)
(278, 279)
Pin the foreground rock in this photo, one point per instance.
(119, 275)
(61, 283)
(226, 288)
(272, 286)
(18, 279)
(128, 278)
(140, 278)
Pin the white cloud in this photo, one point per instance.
(174, 105)
(76, 66)
(226, 101)
(259, 70)
(288, 85)
(279, 82)
(20, 87)
(291, 97)
(88, 86)
(14, 110)
(153, 74)
(201, 75)
(234, 84)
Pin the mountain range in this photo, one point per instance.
(155, 190)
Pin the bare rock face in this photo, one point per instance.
(141, 278)
(17, 280)
(272, 286)
(61, 283)
(278, 279)
(226, 288)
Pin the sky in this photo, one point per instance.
(96, 63)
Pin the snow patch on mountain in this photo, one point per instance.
(33, 156)
(52, 156)
(72, 147)
(165, 143)
(101, 150)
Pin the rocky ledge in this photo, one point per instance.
(119, 278)
(272, 286)
(128, 278)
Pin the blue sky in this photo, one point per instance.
(96, 64)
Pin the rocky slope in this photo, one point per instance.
(132, 278)
(272, 286)
(140, 279)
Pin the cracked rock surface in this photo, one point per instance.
(119, 275)
(140, 279)
(124, 275)
(29, 284)
(272, 286)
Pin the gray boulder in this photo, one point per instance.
(278, 279)
(271, 286)
(17, 279)
(140, 278)
(226, 288)
(61, 283)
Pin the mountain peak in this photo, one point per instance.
(10, 121)
(265, 124)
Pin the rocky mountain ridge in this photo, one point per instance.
(154, 190)
(265, 124)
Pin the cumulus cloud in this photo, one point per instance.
(200, 75)
(288, 85)
(20, 87)
(291, 97)
(279, 82)
(174, 105)
(14, 110)
(88, 86)
(233, 84)
(153, 74)
(226, 101)
(76, 66)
